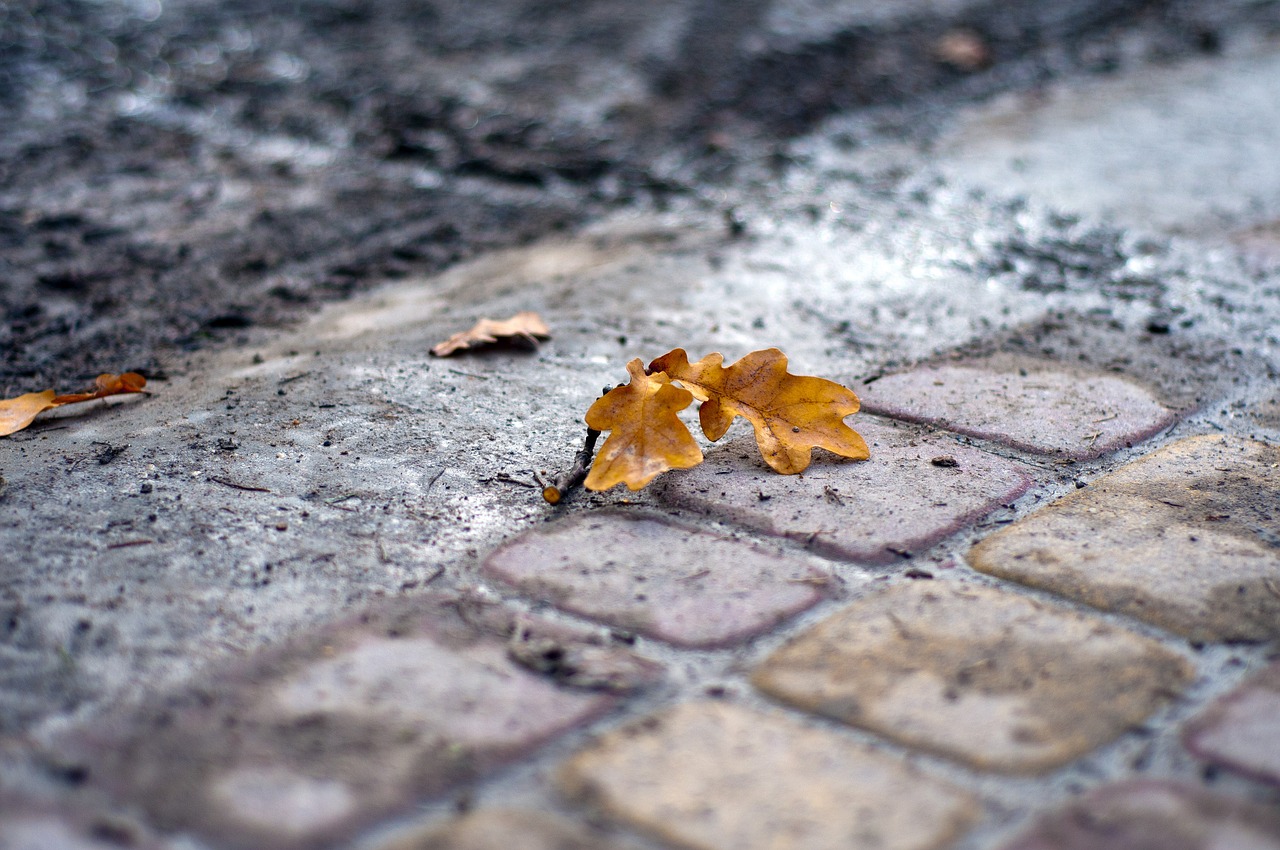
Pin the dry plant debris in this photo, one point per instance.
(527, 326)
(791, 415)
(17, 413)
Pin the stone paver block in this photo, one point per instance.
(676, 584)
(897, 503)
(301, 746)
(26, 824)
(1242, 730)
(1261, 244)
(991, 678)
(717, 776)
(499, 829)
(1187, 538)
(1026, 404)
(1147, 815)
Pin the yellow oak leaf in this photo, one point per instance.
(647, 438)
(791, 414)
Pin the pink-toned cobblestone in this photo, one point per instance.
(856, 510)
(1026, 404)
(685, 587)
(300, 747)
(1242, 730)
(1147, 815)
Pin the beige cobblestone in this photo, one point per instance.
(991, 678)
(499, 829)
(1185, 538)
(717, 776)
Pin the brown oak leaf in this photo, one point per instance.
(791, 414)
(527, 326)
(647, 438)
(17, 413)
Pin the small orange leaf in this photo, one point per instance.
(17, 413)
(791, 414)
(527, 326)
(647, 438)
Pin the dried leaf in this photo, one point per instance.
(527, 326)
(791, 414)
(647, 438)
(18, 413)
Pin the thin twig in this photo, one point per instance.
(127, 543)
(507, 479)
(225, 483)
(559, 488)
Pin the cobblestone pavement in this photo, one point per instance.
(306, 593)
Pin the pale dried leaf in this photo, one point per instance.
(18, 413)
(527, 326)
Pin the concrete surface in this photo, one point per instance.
(306, 592)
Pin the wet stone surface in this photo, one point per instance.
(682, 586)
(716, 775)
(301, 746)
(1187, 538)
(1180, 150)
(995, 680)
(1028, 404)
(1242, 730)
(495, 829)
(1154, 816)
(855, 510)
